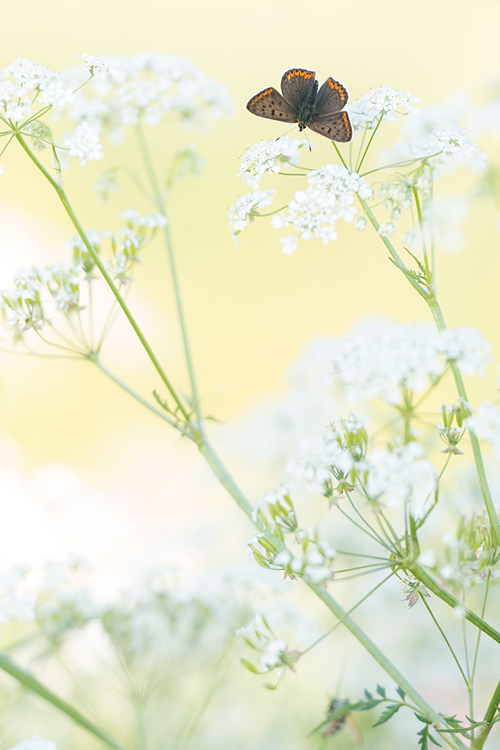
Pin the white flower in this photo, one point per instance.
(360, 223)
(98, 66)
(269, 156)
(272, 657)
(381, 357)
(149, 87)
(384, 102)
(23, 79)
(450, 146)
(401, 475)
(485, 422)
(85, 144)
(330, 196)
(387, 229)
(467, 347)
(396, 195)
(313, 461)
(246, 208)
(289, 243)
(409, 238)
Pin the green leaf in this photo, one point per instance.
(367, 705)
(401, 693)
(381, 691)
(387, 714)
(31, 683)
(425, 735)
(423, 718)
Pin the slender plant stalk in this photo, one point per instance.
(35, 686)
(173, 269)
(431, 300)
(489, 716)
(69, 210)
(159, 413)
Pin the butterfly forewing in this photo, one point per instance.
(297, 86)
(336, 127)
(269, 103)
(332, 97)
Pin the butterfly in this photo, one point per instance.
(303, 103)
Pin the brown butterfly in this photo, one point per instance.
(303, 103)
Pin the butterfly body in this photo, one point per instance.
(303, 102)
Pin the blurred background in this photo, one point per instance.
(86, 471)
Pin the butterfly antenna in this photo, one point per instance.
(285, 133)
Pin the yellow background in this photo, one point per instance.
(249, 310)
(84, 468)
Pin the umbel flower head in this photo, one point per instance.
(148, 86)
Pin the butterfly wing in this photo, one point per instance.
(269, 103)
(297, 86)
(332, 97)
(336, 127)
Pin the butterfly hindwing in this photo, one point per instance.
(336, 127)
(269, 103)
(332, 97)
(297, 85)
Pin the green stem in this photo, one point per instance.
(429, 582)
(227, 481)
(173, 268)
(139, 398)
(431, 300)
(450, 647)
(476, 448)
(381, 659)
(392, 251)
(358, 166)
(31, 683)
(64, 200)
(488, 719)
(422, 236)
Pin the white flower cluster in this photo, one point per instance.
(269, 156)
(146, 87)
(40, 293)
(331, 455)
(273, 653)
(396, 196)
(383, 103)
(314, 212)
(98, 66)
(246, 208)
(469, 554)
(400, 474)
(85, 143)
(450, 146)
(313, 562)
(54, 596)
(382, 357)
(143, 623)
(23, 82)
(276, 508)
(485, 422)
